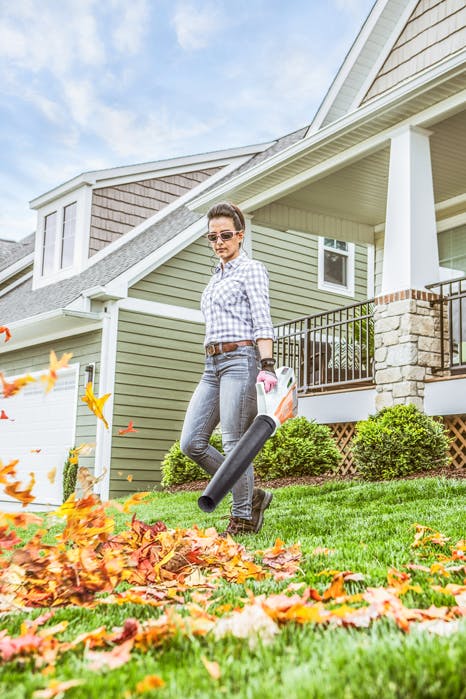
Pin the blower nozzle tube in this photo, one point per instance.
(236, 463)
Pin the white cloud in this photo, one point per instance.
(131, 26)
(195, 23)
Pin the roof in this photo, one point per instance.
(23, 302)
(11, 251)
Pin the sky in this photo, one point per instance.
(93, 84)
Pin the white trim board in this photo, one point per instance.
(445, 397)
(344, 406)
(165, 310)
(16, 267)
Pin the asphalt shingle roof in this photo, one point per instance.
(11, 251)
(23, 302)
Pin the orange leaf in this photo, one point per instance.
(129, 477)
(134, 500)
(51, 474)
(36, 451)
(9, 389)
(95, 404)
(149, 682)
(8, 470)
(23, 494)
(4, 329)
(4, 416)
(55, 364)
(130, 428)
(212, 667)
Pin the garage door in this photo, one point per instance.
(39, 431)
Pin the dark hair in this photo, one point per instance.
(226, 208)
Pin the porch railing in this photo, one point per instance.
(452, 304)
(329, 350)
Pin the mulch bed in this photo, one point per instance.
(448, 472)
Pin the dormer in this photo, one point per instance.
(83, 219)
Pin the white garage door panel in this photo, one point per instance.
(40, 421)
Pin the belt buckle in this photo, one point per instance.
(210, 350)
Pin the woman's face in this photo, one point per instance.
(225, 250)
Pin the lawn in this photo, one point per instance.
(362, 528)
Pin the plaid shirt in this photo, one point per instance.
(235, 303)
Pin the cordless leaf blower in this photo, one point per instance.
(274, 407)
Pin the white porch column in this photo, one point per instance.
(410, 249)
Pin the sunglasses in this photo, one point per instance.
(223, 235)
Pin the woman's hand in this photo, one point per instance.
(268, 378)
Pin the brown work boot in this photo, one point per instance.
(260, 502)
(238, 525)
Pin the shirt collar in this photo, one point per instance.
(232, 264)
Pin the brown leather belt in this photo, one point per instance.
(212, 349)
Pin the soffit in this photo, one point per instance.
(358, 192)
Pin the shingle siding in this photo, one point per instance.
(118, 209)
(434, 31)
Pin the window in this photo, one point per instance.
(48, 246)
(452, 250)
(59, 239)
(68, 235)
(336, 266)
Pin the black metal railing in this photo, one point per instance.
(452, 319)
(329, 350)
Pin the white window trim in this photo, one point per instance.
(83, 198)
(347, 290)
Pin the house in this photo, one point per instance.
(356, 216)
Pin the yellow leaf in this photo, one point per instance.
(96, 405)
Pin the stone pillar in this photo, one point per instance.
(407, 346)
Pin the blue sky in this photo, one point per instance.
(91, 84)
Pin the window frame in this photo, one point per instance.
(341, 289)
(81, 197)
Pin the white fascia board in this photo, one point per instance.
(16, 267)
(163, 213)
(49, 326)
(6, 290)
(165, 252)
(128, 173)
(397, 95)
(348, 63)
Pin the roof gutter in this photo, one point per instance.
(49, 326)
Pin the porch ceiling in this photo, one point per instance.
(358, 192)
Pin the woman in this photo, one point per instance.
(238, 347)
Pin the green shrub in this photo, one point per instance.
(178, 468)
(298, 448)
(70, 472)
(398, 441)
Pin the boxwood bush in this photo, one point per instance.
(298, 448)
(178, 468)
(399, 441)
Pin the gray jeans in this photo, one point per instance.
(225, 393)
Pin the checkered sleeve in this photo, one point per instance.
(257, 290)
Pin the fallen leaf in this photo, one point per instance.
(148, 683)
(212, 667)
(251, 622)
(129, 477)
(52, 474)
(13, 387)
(9, 470)
(134, 500)
(22, 493)
(118, 656)
(4, 416)
(55, 688)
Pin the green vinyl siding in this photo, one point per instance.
(292, 261)
(181, 280)
(85, 349)
(159, 363)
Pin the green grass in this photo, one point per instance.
(370, 526)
